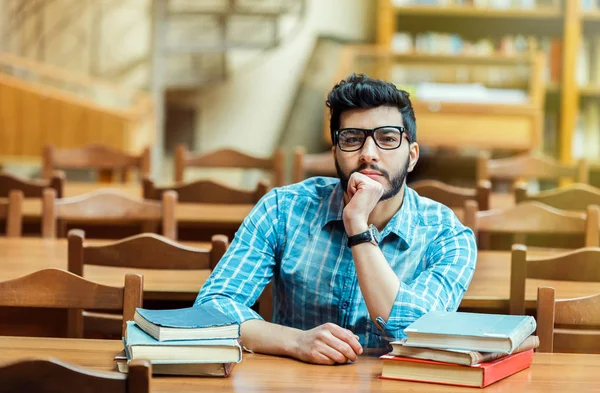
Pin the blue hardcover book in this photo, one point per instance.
(200, 322)
(469, 331)
(140, 345)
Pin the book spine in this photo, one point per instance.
(530, 342)
(523, 331)
(476, 357)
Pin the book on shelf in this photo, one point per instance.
(195, 369)
(480, 375)
(469, 331)
(140, 345)
(192, 323)
(457, 356)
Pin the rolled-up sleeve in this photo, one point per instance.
(247, 266)
(450, 264)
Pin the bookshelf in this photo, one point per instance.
(553, 27)
(514, 124)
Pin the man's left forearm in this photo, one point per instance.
(378, 282)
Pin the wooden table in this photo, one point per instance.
(22, 256)
(228, 216)
(260, 373)
(489, 289)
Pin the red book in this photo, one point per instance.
(479, 375)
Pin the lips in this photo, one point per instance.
(372, 174)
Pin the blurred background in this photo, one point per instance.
(501, 76)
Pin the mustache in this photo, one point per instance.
(372, 167)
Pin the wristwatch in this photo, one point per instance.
(370, 235)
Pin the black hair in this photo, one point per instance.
(360, 91)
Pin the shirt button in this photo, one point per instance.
(344, 305)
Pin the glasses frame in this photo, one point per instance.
(370, 133)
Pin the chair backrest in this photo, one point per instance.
(31, 188)
(581, 265)
(534, 218)
(55, 288)
(108, 205)
(527, 166)
(10, 210)
(144, 251)
(229, 158)
(102, 158)
(452, 196)
(207, 191)
(306, 165)
(578, 323)
(575, 196)
(50, 375)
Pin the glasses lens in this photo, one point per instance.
(351, 139)
(388, 138)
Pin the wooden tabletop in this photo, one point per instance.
(260, 373)
(22, 256)
(489, 289)
(187, 214)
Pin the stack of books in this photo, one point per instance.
(465, 349)
(199, 341)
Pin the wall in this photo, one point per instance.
(249, 110)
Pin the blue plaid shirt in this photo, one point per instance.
(295, 235)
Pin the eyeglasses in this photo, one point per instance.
(386, 137)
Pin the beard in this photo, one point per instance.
(396, 181)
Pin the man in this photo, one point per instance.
(355, 260)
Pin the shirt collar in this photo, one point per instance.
(335, 206)
(402, 223)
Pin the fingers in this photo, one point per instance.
(347, 340)
(331, 344)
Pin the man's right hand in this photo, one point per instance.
(327, 344)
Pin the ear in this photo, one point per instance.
(413, 155)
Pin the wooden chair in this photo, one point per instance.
(575, 196)
(106, 160)
(534, 218)
(527, 166)
(207, 191)
(31, 188)
(578, 265)
(228, 158)
(306, 165)
(108, 206)
(578, 320)
(144, 251)
(454, 197)
(10, 211)
(55, 288)
(50, 375)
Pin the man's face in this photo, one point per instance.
(389, 167)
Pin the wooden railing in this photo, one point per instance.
(40, 104)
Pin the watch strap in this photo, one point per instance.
(363, 237)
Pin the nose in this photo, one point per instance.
(369, 151)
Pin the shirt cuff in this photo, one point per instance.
(403, 313)
(238, 312)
